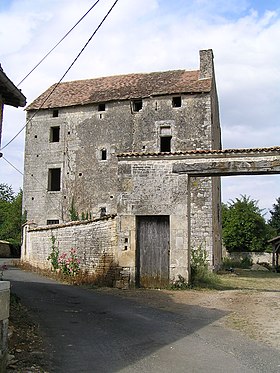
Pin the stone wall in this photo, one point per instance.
(86, 179)
(147, 186)
(4, 316)
(256, 257)
(96, 244)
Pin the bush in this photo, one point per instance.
(201, 276)
(244, 263)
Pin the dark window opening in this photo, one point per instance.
(177, 101)
(102, 211)
(55, 113)
(54, 134)
(165, 144)
(52, 221)
(54, 179)
(103, 155)
(137, 105)
(35, 136)
(101, 107)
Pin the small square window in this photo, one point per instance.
(52, 221)
(103, 211)
(55, 113)
(54, 179)
(101, 107)
(54, 134)
(177, 101)
(137, 105)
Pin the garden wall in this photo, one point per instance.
(256, 257)
(95, 242)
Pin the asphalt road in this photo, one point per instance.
(90, 331)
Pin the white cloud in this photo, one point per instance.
(152, 35)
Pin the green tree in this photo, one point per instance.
(244, 227)
(11, 218)
(274, 220)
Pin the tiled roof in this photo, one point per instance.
(121, 87)
(274, 149)
(10, 93)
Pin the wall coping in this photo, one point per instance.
(69, 224)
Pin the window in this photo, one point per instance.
(103, 155)
(55, 113)
(54, 179)
(165, 144)
(137, 105)
(102, 211)
(52, 221)
(54, 134)
(101, 107)
(176, 101)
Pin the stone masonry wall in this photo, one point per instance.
(148, 187)
(95, 242)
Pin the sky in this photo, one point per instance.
(146, 36)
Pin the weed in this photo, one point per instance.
(201, 276)
(53, 257)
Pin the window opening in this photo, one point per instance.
(103, 155)
(137, 105)
(177, 101)
(55, 113)
(165, 144)
(101, 107)
(54, 179)
(52, 221)
(102, 211)
(54, 134)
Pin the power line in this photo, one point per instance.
(63, 76)
(37, 180)
(12, 165)
(46, 55)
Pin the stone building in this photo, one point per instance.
(104, 149)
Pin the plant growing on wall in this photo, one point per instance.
(73, 212)
(69, 265)
(53, 257)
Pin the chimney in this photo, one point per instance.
(206, 70)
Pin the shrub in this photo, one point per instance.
(201, 276)
(244, 263)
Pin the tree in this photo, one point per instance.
(11, 218)
(243, 226)
(274, 221)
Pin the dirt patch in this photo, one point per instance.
(26, 347)
(253, 304)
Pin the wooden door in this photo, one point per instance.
(152, 251)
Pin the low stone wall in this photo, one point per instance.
(4, 316)
(256, 257)
(95, 242)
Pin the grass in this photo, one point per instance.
(250, 280)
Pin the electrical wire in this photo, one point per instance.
(63, 76)
(38, 181)
(57, 44)
(12, 165)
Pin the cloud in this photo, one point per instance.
(154, 35)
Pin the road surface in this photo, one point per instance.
(91, 331)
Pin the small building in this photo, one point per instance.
(105, 148)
